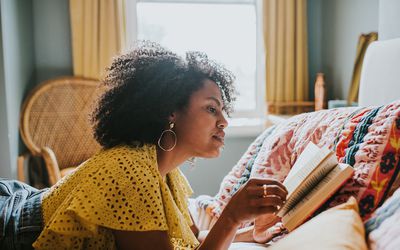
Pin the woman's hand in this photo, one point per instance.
(257, 197)
(266, 226)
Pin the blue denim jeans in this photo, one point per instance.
(20, 214)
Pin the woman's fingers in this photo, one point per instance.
(272, 200)
(266, 195)
(266, 210)
(267, 181)
(259, 191)
(257, 197)
(261, 183)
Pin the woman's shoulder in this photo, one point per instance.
(111, 170)
(118, 163)
(139, 153)
(122, 162)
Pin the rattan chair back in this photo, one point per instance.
(56, 115)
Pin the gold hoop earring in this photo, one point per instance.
(171, 126)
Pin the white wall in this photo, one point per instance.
(389, 19)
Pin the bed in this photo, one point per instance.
(371, 131)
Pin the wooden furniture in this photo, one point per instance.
(54, 125)
(287, 108)
(296, 107)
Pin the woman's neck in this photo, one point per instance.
(169, 160)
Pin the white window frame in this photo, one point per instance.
(242, 123)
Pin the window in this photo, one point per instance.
(226, 31)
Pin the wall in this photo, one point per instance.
(314, 28)
(35, 43)
(52, 39)
(5, 153)
(18, 65)
(207, 174)
(389, 19)
(334, 27)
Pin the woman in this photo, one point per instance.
(159, 111)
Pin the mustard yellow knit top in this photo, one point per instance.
(118, 188)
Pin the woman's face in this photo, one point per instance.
(199, 127)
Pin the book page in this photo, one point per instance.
(308, 160)
(310, 151)
(319, 194)
(310, 182)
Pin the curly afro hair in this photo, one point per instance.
(148, 84)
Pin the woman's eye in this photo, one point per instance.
(212, 110)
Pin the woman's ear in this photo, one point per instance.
(172, 117)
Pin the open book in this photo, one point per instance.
(313, 179)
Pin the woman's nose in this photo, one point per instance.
(222, 123)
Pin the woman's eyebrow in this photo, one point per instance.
(216, 100)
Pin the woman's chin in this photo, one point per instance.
(212, 154)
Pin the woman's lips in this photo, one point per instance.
(219, 137)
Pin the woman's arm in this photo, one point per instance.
(242, 235)
(221, 234)
(142, 240)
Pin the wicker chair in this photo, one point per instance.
(54, 125)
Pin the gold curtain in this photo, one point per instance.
(285, 38)
(363, 42)
(98, 34)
